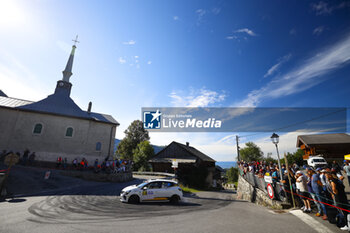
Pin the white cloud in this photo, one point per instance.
(275, 67)
(149, 62)
(247, 31)
(200, 14)
(176, 18)
(122, 60)
(293, 32)
(231, 37)
(196, 98)
(130, 42)
(310, 73)
(216, 10)
(136, 57)
(322, 8)
(317, 31)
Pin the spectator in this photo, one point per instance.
(302, 189)
(336, 189)
(31, 159)
(347, 171)
(59, 162)
(65, 164)
(75, 163)
(336, 166)
(25, 157)
(319, 194)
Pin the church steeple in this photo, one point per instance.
(63, 86)
(67, 73)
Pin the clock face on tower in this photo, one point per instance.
(61, 84)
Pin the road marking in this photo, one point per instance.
(310, 221)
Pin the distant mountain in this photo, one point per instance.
(226, 164)
(155, 148)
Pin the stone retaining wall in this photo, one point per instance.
(246, 191)
(89, 175)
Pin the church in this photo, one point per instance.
(56, 126)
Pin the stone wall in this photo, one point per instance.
(246, 191)
(88, 175)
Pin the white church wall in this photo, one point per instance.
(16, 134)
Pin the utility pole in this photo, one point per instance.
(237, 138)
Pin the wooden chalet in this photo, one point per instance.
(331, 146)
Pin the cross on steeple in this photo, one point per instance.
(76, 40)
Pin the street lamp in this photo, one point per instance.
(275, 139)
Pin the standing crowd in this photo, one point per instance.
(321, 189)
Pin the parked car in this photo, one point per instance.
(159, 190)
(316, 161)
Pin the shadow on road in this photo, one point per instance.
(17, 200)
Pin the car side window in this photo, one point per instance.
(155, 185)
(167, 184)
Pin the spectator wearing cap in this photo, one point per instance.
(323, 179)
(302, 188)
(319, 194)
(312, 192)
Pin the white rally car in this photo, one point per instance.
(153, 190)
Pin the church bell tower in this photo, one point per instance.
(64, 86)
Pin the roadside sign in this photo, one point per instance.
(270, 191)
(268, 179)
(47, 175)
(175, 164)
(11, 159)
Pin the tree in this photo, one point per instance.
(296, 157)
(141, 154)
(251, 152)
(232, 175)
(134, 134)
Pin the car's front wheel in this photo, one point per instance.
(134, 199)
(174, 199)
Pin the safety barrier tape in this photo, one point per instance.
(320, 201)
(324, 198)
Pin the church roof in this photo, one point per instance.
(2, 93)
(12, 102)
(58, 105)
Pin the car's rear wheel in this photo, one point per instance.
(174, 199)
(134, 199)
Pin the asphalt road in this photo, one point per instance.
(96, 208)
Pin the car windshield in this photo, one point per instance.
(141, 185)
(319, 160)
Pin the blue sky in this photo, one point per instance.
(135, 54)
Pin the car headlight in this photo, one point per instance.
(127, 192)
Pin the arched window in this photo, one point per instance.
(37, 128)
(69, 132)
(98, 146)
